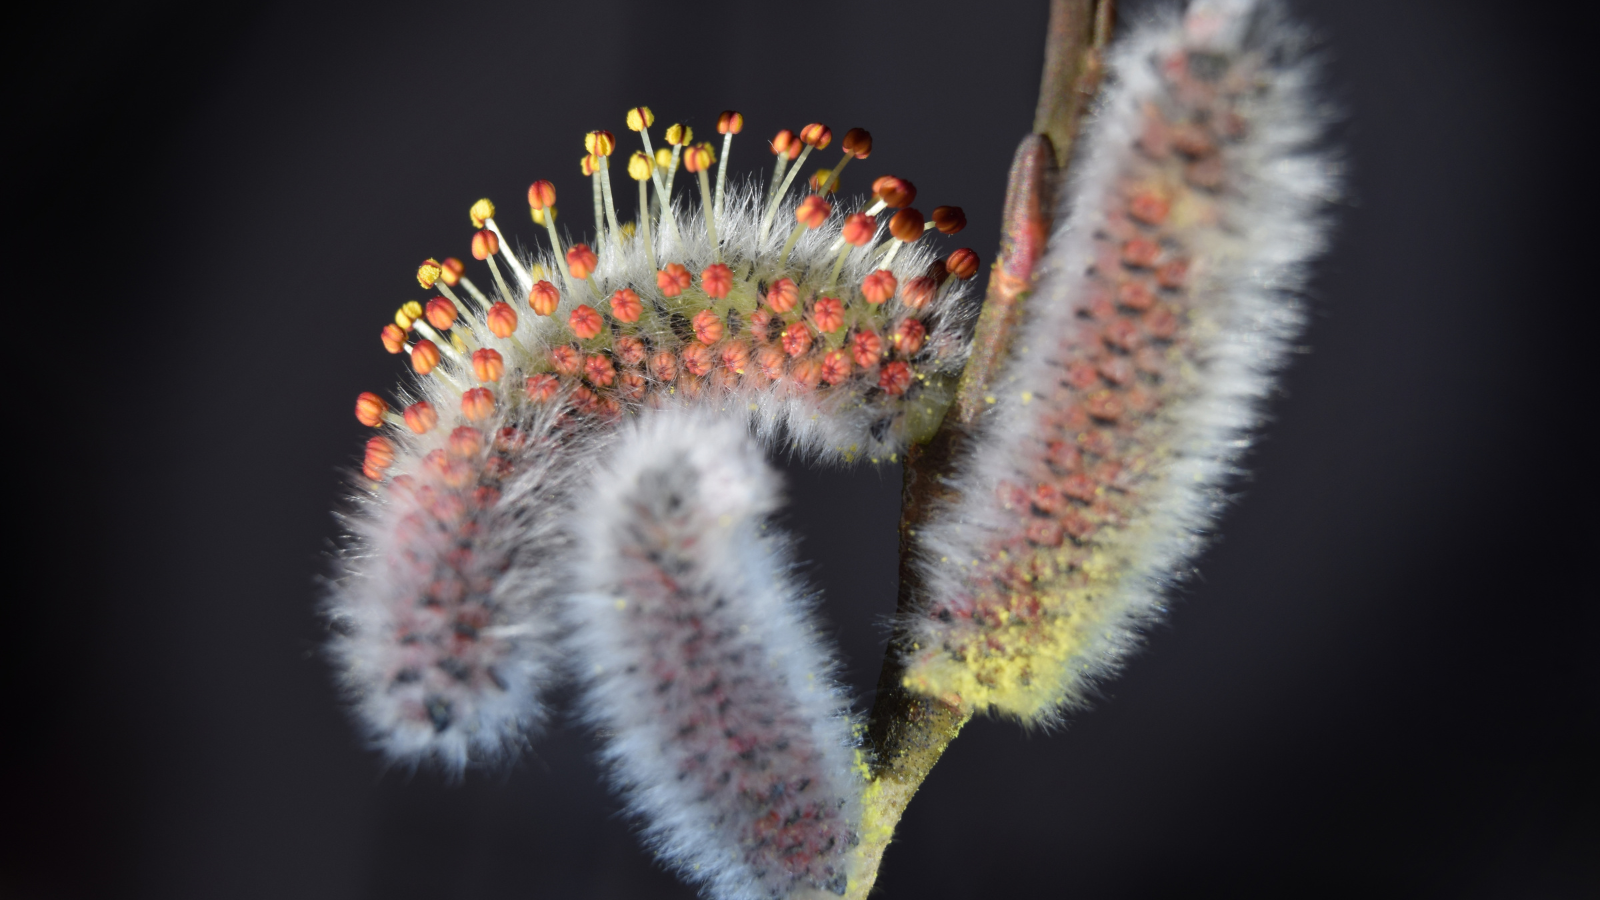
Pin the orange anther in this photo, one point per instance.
(370, 409)
(816, 135)
(544, 298)
(488, 364)
(585, 322)
(906, 225)
(421, 417)
(697, 360)
(835, 366)
(541, 194)
(440, 313)
(481, 212)
(812, 211)
(600, 143)
(761, 325)
(963, 264)
(679, 135)
(858, 143)
(1141, 253)
(895, 191)
(466, 441)
(859, 228)
(450, 271)
(630, 350)
(673, 279)
(599, 370)
(707, 326)
(807, 372)
(828, 313)
(589, 164)
(502, 320)
(428, 273)
(485, 244)
(424, 356)
(699, 158)
(866, 348)
(394, 338)
(477, 404)
(949, 219)
(730, 122)
(909, 336)
(879, 286)
(716, 281)
(769, 362)
(784, 142)
(1148, 207)
(663, 365)
(640, 118)
(736, 358)
(796, 339)
(542, 387)
(918, 292)
(783, 295)
(379, 454)
(581, 261)
(895, 378)
(566, 359)
(625, 305)
(631, 386)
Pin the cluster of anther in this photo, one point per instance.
(751, 319)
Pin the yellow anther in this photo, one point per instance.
(640, 118)
(679, 135)
(589, 164)
(407, 313)
(664, 158)
(539, 214)
(600, 143)
(481, 211)
(428, 273)
(639, 166)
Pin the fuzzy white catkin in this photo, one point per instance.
(724, 724)
(1167, 304)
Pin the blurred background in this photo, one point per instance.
(1385, 679)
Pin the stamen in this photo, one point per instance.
(949, 219)
(542, 202)
(488, 365)
(602, 144)
(811, 213)
(697, 160)
(640, 169)
(421, 417)
(394, 338)
(815, 136)
(785, 147)
(963, 264)
(544, 298)
(729, 123)
(857, 145)
(371, 410)
(591, 168)
(640, 118)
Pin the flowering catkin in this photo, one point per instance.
(724, 725)
(1165, 308)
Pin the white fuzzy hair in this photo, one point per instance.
(707, 676)
(1245, 314)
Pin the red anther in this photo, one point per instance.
(485, 497)
(502, 320)
(906, 225)
(697, 359)
(736, 357)
(1047, 498)
(477, 404)
(581, 261)
(632, 386)
(1104, 404)
(566, 359)
(895, 378)
(707, 326)
(894, 191)
(450, 271)
(949, 219)
(858, 143)
(510, 440)
(812, 211)
(1173, 275)
(370, 409)
(421, 417)
(394, 339)
(424, 356)
(761, 325)
(1140, 253)
(1136, 295)
(1082, 375)
(866, 348)
(1122, 334)
(807, 372)
(488, 365)
(730, 122)
(919, 292)
(963, 264)
(785, 142)
(600, 143)
(836, 366)
(379, 454)
(1149, 207)
(828, 313)
(541, 388)
(1064, 457)
(783, 295)
(673, 279)
(664, 366)
(1078, 486)
(585, 322)
(816, 135)
(716, 281)
(625, 305)
(796, 339)
(909, 336)
(1099, 442)
(769, 362)
(440, 313)
(544, 298)
(1161, 322)
(1043, 533)
(599, 370)
(541, 194)
(630, 350)
(485, 244)
(879, 286)
(859, 228)
(466, 441)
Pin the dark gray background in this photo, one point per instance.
(1384, 683)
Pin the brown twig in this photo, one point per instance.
(906, 732)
